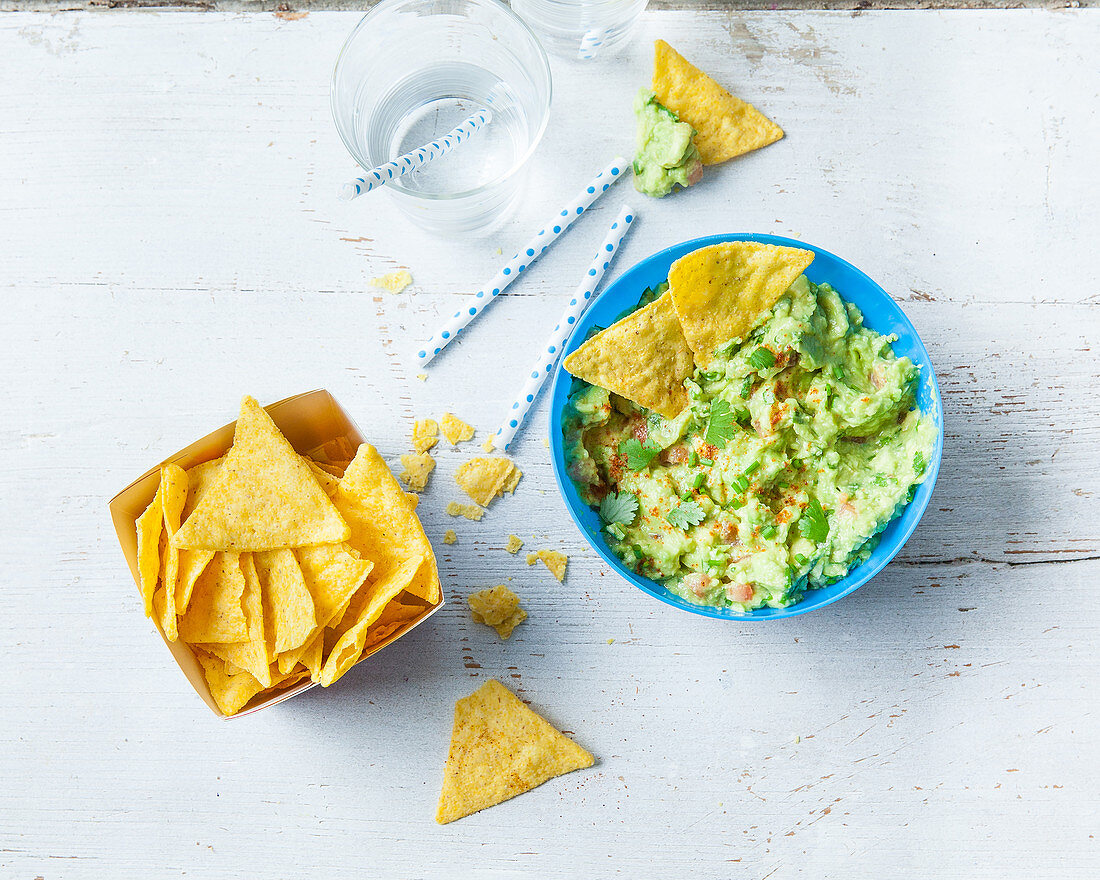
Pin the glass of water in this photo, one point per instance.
(582, 29)
(411, 71)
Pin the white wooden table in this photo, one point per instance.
(170, 240)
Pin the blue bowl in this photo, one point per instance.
(880, 313)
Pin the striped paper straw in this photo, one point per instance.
(546, 236)
(417, 158)
(550, 352)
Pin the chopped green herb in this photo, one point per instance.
(693, 459)
(706, 461)
(735, 503)
(751, 469)
(686, 496)
(746, 387)
(639, 454)
(767, 532)
(814, 525)
(801, 558)
(619, 507)
(838, 371)
(698, 481)
(721, 425)
(685, 515)
(880, 479)
(761, 359)
(739, 484)
(919, 463)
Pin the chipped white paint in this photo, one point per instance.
(170, 241)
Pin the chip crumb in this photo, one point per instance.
(449, 536)
(514, 543)
(485, 479)
(497, 607)
(455, 430)
(553, 560)
(418, 467)
(423, 377)
(797, 738)
(394, 282)
(470, 511)
(546, 442)
(488, 445)
(611, 641)
(500, 253)
(425, 434)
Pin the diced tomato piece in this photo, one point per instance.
(697, 583)
(739, 592)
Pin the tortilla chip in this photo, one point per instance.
(215, 612)
(553, 560)
(332, 573)
(449, 536)
(722, 291)
(384, 527)
(425, 434)
(324, 476)
(288, 603)
(644, 358)
(230, 690)
(725, 126)
(418, 467)
(149, 527)
(497, 607)
(349, 647)
(499, 749)
(455, 430)
(173, 483)
(470, 511)
(253, 653)
(484, 479)
(413, 499)
(265, 496)
(514, 544)
(192, 563)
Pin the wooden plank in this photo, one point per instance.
(171, 240)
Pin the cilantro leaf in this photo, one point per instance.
(762, 359)
(918, 463)
(721, 425)
(814, 524)
(687, 514)
(619, 507)
(639, 454)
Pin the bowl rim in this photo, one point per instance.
(912, 513)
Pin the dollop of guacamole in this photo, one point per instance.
(666, 154)
(799, 445)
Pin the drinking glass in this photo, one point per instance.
(582, 29)
(411, 71)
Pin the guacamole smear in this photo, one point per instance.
(799, 445)
(666, 154)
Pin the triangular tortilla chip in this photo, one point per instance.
(215, 612)
(253, 654)
(173, 485)
(500, 748)
(722, 291)
(287, 601)
(384, 527)
(644, 358)
(725, 125)
(149, 527)
(349, 646)
(230, 690)
(265, 496)
(192, 562)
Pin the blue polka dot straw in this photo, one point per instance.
(415, 158)
(546, 235)
(548, 355)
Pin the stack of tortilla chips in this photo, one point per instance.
(274, 568)
(716, 294)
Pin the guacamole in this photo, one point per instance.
(799, 444)
(666, 153)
